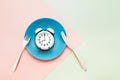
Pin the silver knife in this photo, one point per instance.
(65, 39)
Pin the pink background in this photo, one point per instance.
(15, 16)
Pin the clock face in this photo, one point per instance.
(44, 40)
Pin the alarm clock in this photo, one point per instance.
(44, 39)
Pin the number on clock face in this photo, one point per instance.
(44, 39)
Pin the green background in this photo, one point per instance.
(98, 24)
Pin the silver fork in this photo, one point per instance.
(25, 42)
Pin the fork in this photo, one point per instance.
(65, 39)
(25, 43)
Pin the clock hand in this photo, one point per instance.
(44, 37)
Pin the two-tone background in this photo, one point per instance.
(97, 22)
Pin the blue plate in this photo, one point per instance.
(59, 44)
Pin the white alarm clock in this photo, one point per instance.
(44, 38)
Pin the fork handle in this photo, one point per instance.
(18, 60)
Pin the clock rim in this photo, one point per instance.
(36, 42)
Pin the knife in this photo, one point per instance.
(65, 39)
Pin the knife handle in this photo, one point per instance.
(82, 64)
